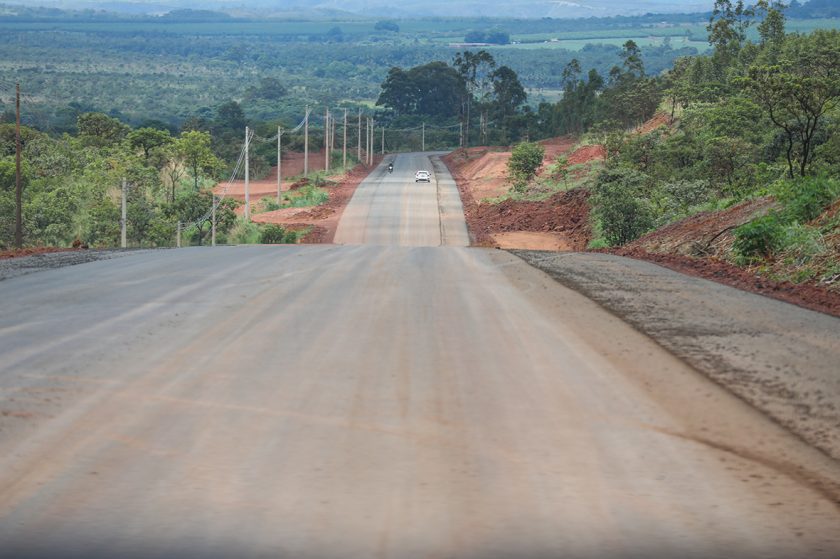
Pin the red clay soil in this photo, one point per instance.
(323, 219)
(556, 146)
(698, 244)
(19, 252)
(292, 167)
(809, 296)
(703, 234)
(587, 154)
(657, 121)
(564, 215)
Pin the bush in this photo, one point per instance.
(524, 161)
(268, 204)
(272, 234)
(802, 244)
(760, 238)
(619, 204)
(244, 233)
(804, 199)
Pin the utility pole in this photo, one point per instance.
(213, 223)
(367, 138)
(327, 141)
(178, 236)
(279, 163)
(18, 182)
(306, 143)
(359, 148)
(423, 138)
(383, 140)
(344, 143)
(461, 134)
(247, 174)
(372, 133)
(123, 224)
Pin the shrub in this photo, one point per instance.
(802, 243)
(244, 233)
(272, 234)
(760, 238)
(309, 195)
(804, 199)
(524, 161)
(620, 206)
(269, 204)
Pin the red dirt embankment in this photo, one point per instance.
(698, 245)
(559, 223)
(267, 187)
(323, 219)
(30, 251)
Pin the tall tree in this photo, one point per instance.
(727, 29)
(100, 129)
(475, 69)
(799, 91)
(508, 91)
(194, 146)
(148, 139)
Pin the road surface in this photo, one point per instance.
(374, 400)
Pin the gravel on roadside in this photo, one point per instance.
(13, 267)
(782, 359)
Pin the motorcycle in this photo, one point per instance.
(390, 167)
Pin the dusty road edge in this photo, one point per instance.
(791, 384)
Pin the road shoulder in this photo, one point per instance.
(780, 358)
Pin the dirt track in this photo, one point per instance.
(374, 401)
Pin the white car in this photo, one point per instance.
(422, 176)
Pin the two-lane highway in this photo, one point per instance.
(393, 209)
(388, 398)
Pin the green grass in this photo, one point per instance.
(578, 44)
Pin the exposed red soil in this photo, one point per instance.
(587, 154)
(703, 234)
(808, 296)
(292, 167)
(323, 219)
(18, 252)
(560, 222)
(556, 146)
(698, 245)
(657, 121)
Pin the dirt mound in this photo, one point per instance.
(556, 146)
(565, 215)
(559, 223)
(587, 154)
(483, 170)
(703, 234)
(657, 121)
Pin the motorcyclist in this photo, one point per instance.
(390, 167)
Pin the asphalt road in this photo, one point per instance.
(374, 400)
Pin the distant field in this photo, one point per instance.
(577, 44)
(171, 71)
(440, 30)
